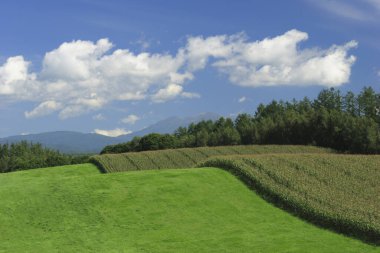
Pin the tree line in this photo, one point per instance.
(24, 155)
(345, 122)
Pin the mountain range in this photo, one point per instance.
(88, 143)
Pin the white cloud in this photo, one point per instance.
(200, 49)
(98, 117)
(73, 61)
(80, 106)
(82, 76)
(130, 119)
(242, 99)
(43, 109)
(190, 95)
(14, 75)
(279, 61)
(167, 93)
(112, 133)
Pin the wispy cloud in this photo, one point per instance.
(145, 43)
(356, 10)
(43, 109)
(374, 3)
(242, 99)
(98, 117)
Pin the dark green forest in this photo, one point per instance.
(345, 122)
(24, 155)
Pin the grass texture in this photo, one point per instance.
(77, 209)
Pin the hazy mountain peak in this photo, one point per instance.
(77, 142)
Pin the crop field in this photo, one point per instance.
(341, 192)
(188, 157)
(336, 191)
(77, 209)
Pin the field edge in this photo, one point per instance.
(240, 170)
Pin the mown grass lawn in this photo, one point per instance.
(77, 209)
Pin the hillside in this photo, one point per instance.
(339, 192)
(77, 209)
(188, 157)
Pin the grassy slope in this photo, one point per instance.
(74, 208)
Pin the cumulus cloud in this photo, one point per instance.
(130, 119)
(82, 76)
(279, 61)
(14, 74)
(112, 133)
(167, 93)
(73, 61)
(199, 49)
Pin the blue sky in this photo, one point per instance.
(122, 65)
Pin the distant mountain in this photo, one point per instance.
(65, 141)
(169, 125)
(75, 142)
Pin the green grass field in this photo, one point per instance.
(77, 209)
